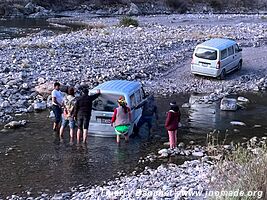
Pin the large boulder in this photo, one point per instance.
(133, 10)
(228, 104)
(45, 89)
(29, 8)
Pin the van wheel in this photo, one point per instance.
(222, 75)
(239, 66)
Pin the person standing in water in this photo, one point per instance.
(121, 120)
(68, 114)
(172, 123)
(149, 110)
(57, 104)
(83, 109)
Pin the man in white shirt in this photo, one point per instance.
(57, 104)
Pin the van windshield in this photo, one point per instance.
(106, 102)
(205, 53)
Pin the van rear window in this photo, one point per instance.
(205, 53)
(106, 102)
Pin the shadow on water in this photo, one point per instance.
(33, 159)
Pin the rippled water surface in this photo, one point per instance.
(33, 159)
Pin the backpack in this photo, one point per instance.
(69, 103)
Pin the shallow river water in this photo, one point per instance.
(33, 159)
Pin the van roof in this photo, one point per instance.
(118, 86)
(218, 43)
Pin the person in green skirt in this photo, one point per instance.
(121, 119)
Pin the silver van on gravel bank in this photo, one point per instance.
(216, 58)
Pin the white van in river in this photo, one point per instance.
(216, 58)
(104, 105)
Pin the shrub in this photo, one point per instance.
(179, 5)
(243, 171)
(127, 21)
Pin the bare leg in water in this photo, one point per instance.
(71, 135)
(85, 131)
(78, 135)
(126, 138)
(118, 138)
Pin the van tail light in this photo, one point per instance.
(218, 65)
(192, 62)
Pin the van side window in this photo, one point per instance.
(223, 54)
(132, 99)
(230, 51)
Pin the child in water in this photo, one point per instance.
(172, 123)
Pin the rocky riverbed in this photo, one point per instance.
(194, 179)
(158, 53)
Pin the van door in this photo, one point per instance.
(133, 105)
(231, 58)
(225, 61)
(139, 99)
(237, 54)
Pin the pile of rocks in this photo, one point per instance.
(164, 182)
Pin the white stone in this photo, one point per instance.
(197, 154)
(237, 123)
(5, 104)
(243, 99)
(163, 151)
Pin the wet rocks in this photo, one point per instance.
(15, 124)
(237, 123)
(39, 105)
(228, 104)
(182, 150)
(198, 154)
(162, 182)
(243, 99)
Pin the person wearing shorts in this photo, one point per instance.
(57, 103)
(68, 114)
(121, 120)
(83, 109)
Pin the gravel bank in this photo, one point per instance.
(158, 53)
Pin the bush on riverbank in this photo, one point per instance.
(128, 21)
(243, 170)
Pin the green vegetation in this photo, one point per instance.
(128, 21)
(243, 170)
